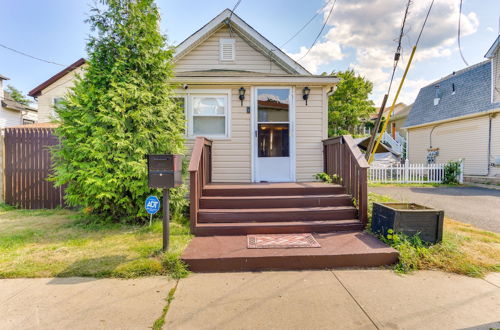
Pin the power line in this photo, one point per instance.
(398, 49)
(234, 8)
(321, 31)
(425, 22)
(305, 25)
(459, 45)
(30, 56)
(229, 19)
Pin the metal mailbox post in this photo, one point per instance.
(165, 172)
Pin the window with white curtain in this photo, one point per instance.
(208, 115)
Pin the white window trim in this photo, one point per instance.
(187, 94)
(224, 41)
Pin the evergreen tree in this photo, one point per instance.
(349, 105)
(118, 111)
(17, 95)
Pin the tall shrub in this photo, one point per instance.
(118, 111)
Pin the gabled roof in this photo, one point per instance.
(472, 95)
(245, 31)
(38, 89)
(493, 48)
(3, 77)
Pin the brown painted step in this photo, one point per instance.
(277, 214)
(343, 249)
(243, 228)
(273, 189)
(249, 202)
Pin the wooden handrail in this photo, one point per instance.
(200, 173)
(343, 158)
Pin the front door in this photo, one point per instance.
(273, 133)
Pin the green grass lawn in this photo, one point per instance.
(465, 249)
(47, 243)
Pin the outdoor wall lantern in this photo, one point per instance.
(305, 93)
(242, 94)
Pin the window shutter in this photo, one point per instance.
(226, 49)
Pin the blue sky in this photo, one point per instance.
(360, 34)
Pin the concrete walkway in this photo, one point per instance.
(82, 303)
(340, 299)
(477, 206)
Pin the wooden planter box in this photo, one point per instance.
(409, 219)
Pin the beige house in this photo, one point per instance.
(457, 117)
(53, 90)
(266, 114)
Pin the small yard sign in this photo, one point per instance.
(152, 204)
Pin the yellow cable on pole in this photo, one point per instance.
(386, 121)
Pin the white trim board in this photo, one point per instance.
(472, 115)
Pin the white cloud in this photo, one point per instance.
(490, 29)
(371, 27)
(322, 53)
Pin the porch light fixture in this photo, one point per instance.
(305, 93)
(242, 94)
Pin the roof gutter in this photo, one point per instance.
(472, 115)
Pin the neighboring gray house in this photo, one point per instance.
(457, 117)
(13, 113)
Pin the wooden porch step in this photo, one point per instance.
(277, 214)
(273, 189)
(243, 228)
(250, 202)
(342, 249)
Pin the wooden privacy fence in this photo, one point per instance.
(27, 166)
(409, 173)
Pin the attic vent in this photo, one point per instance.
(226, 49)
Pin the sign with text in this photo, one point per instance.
(152, 204)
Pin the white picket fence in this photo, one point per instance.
(409, 173)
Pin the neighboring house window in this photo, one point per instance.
(227, 49)
(56, 102)
(208, 115)
(28, 121)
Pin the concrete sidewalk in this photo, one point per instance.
(82, 303)
(340, 299)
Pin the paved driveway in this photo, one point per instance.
(477, 206)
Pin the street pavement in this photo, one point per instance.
(477, 206)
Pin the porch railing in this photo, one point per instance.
(200, 173)
(343, 159)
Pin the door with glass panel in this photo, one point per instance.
(274, 140)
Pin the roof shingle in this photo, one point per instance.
(472, 95)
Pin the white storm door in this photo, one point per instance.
(273, 134)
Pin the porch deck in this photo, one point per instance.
(338, 249)
(222, 214)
